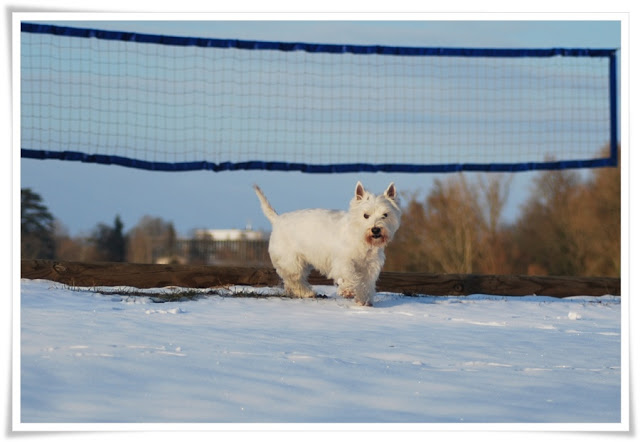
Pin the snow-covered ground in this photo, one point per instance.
(93, 358)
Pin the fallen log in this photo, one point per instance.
(92, 274)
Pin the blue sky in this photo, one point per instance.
(82, 195)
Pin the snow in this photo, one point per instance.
(87, 357)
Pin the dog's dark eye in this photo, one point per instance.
(366, 216)
(385, 215)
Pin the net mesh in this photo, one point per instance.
(164, 103)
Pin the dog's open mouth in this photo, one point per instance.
(376, 238)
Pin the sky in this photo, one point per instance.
(82, 195)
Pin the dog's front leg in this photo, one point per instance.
(359, 282)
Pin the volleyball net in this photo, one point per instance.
(178, 103)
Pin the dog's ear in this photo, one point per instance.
(391, 192)
(359, 191)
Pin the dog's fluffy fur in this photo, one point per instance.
(347, 247)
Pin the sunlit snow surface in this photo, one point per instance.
(88, 357)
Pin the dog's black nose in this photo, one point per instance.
(375, 230)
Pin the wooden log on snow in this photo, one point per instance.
(83, 274)
(504, 285)
(91, 274)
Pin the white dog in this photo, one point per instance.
(347, 247)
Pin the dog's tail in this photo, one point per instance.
(266, 207)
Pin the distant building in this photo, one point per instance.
(230, 234)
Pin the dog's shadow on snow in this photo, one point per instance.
(390, 300)
(382, 299)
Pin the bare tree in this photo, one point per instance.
(568, 226)
(453, 217)
(543, 232)
(151, 239)
(408, 252)
(595, 223)
(494, 238)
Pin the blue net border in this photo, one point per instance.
(310, 47)
(313, 168)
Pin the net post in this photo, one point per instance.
(613, 107)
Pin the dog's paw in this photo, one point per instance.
(364, 303)
(346, 293)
